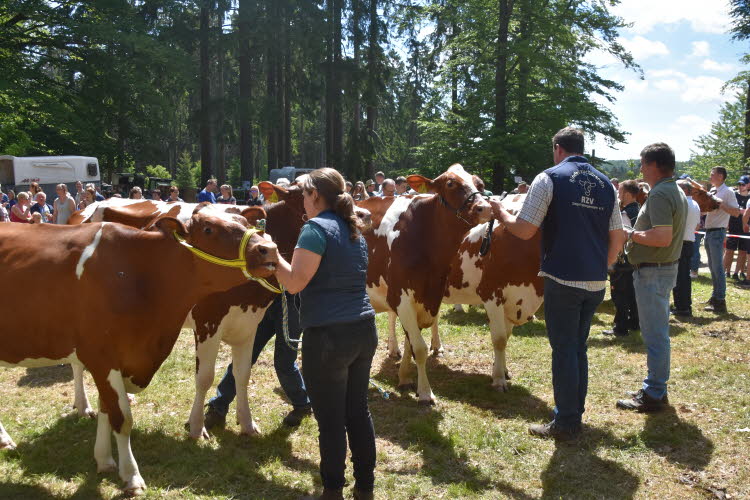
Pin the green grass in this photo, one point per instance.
(474, 444)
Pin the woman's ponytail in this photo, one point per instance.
(344, 208)
(331, 187)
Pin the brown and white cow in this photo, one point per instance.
(232, 315)
(411, 245)
(112, 275)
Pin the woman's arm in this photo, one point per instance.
(296, 276)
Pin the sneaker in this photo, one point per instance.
(214, 419)
(554, 431)
(693, 275)
(295, 417)
(718, 307)
(615, 333)
(643, 403)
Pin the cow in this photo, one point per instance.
(112, 275)
(705, 200)
(232, 315)
(410, 245)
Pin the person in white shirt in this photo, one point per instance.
(682, 292)
(716, 231)
(388, 188)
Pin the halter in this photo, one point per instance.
(240, 263)
(469, 199)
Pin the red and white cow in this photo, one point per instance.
(112, 275)
(411, 245)
(231, 316)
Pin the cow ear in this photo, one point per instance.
(201, 206)
(253, 215)
(168, 225)
(421, 184)
(271, 192)
(696, 185)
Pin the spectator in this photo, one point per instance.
(359, 192)
(174, 194)
(402, 186)
(349, 187)
(226, 197)
(479, 184)
(370, 188)
(284, 362)
(522, 188)
(34, 189)
(621, 277)
(97, 195)
(156, 195)
(616, 183)
(683, 290)
(254, 198)
(36, 218)
(64, 205)
(379, 178)
(283, 182)
(4, 216)
(4, 199)
(716, 232)
(207, 194)
(42, 207)
(581, 238)
(735, 228)
(80, 193)
(695, 261)
(89, 198)
(136, 193)
(11, 199)
(653, 247)
(21, 211)
(388, 188)
(329, 271)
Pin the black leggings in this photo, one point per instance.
(336, 361)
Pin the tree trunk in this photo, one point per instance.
(207, 170)
(246, 131)
(746, 152)
(505, 9)
(372, 111)
(221, 168)
(271, 90)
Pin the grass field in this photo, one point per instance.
(473, 444)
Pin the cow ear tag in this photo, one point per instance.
(269, 193)
(419, 183)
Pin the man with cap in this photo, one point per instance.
(370, 187)
(735, 228)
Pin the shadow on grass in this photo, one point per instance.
(400, 422)
(166, 460)
(12, 491)
(46, 376)
(575, 470)
(476, 316)
(677, 441)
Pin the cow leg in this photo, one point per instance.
(242, 356)
(499, 333)
(103, 445)
(393, 350)
(436, 346)
(405, 380)
(205, 363)
(81, 400)
(418, 345)
(458, 308)
(114, 403)
(5, 441)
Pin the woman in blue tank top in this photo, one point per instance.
(329, 270)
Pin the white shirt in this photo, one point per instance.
(692, 219)
(719, 218)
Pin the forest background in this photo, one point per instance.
(232, 88)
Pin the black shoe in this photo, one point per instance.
(710, 301)
(615, 333)
(735, 277)
(294, 417)
(718, 307)
(687, 313)
(729, 275)
(214, 419)
(553, 431)
(643, 403)
(743, 277)
(363, 495)
(327, 495)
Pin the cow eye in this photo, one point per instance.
(450, 183)
(207, 230)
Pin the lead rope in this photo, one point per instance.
(487, 240)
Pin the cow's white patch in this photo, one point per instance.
(476, 233)
(89, 251)
(391, 218)
(95, 211)
(235, 325)
(40, 362)
(378, 296)
(530, 302)
(472, 275)
(458, 169)
(412, 312)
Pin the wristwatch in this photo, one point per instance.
(630, 236)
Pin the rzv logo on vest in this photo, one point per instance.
(587, 181)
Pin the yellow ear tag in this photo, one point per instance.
(422, 188)
(273, 198)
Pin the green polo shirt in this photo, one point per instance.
(666, 206)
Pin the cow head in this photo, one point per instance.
(455, 189)
(220, 235)
(643, 190)
(705, 200)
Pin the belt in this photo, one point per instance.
(715, 229)
(654, 264)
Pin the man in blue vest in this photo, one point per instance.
(576, 207)
(207, 194)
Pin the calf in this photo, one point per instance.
(113, 275)
(410, 246)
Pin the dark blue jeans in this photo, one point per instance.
(683, 290)
(284, 358)
(695, 260)
(337, 360)
(568, 312)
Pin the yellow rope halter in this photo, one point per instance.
(240, 263)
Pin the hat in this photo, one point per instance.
(369, 182)
(684, 176)
(745, 179)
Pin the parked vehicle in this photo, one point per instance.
(17, 172)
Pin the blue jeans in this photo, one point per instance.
(695, 261)
(652, 289)
(284, 359)
(715, 251)
(568, 312)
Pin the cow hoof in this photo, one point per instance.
(86, 413)
(253, 430)
(394, 354)
(408, 387)
(202, 434)
(8, 445)
(131, 400)
(426, 402)
(109, 466)
(437, 353)
(507, 375)
(501, 386)
(135, 487)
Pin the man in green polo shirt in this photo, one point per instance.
(653, 248)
